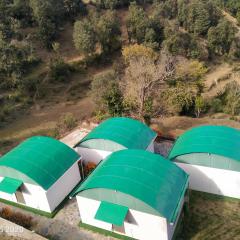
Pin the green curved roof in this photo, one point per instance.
(127, 132)
(41, 159)
(146, 176)
(217, 140)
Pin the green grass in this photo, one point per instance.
(211, 217)
(103, 232)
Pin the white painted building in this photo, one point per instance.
(135, 193)
(39, 173)
(211, 156)
(113, 135)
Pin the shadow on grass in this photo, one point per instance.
(211, 217)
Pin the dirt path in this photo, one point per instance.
(216, 73)
(212, 83)
(216, 80)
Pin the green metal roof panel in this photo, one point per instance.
(219, 140)
(111, 213)
(129, 133)
(143, 175)
(42, 159)
(10, 185)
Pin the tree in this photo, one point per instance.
(135, 51)
(111, 4)
(233, 6)
(21, 11)
(48, 14)
(73, 7)
(144, 29)
(221, 37)
(190, 71)
(178, 99)
(143, 79)
(84, 37)
(14, 58)
(7, 23)
(232, 98)
(137, 23)
(108, 32)
(198, 16)
(199, 105)
(238, 16)
(167, 9)
(106, 94)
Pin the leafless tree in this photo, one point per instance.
(145, 78)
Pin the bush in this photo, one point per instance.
(59, 70)
(216, 105)
(66, 123)
(16, 217)
(88, 168)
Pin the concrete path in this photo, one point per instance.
(74, 137)
(10, 229)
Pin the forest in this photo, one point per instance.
(151, 57)
(173, 64)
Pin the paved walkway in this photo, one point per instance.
(17, 232)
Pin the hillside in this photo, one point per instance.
(70, 59)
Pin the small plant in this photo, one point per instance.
(88, 168)
(66, 123)
(59, 70)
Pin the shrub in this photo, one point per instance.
(66, 123)
(216, 105)
(16, 217)
(59, 70)
(88, 168)
(69, 121)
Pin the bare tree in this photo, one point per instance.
(145, 78)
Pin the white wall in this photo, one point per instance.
(150, 148)
(143, 226)
(36, 197)
(213, 180)
(95, 155)
(172, 226)
(92, 155)
(63, 186)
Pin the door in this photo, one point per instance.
(19, 197)
(119, 229)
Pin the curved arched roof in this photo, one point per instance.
(218, 140)
(143, 175)
(42, 159)
(127, 132)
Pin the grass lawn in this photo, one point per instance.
(211, 217)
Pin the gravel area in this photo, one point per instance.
(163, 147)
